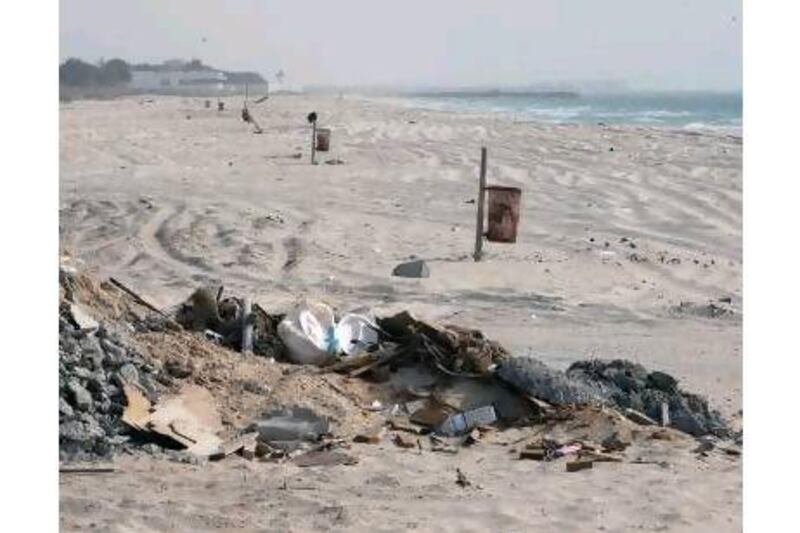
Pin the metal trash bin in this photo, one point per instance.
(503, 213)
(323, 139)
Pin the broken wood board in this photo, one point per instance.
(235, 444)
(640, 418)
(137, 412)
(189, 418)
(579, 464)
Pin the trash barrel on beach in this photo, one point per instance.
(323, 139)
(503, 213)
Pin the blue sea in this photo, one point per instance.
(690, 110)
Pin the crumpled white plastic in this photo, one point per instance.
(312, 336)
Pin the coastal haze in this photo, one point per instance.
(658, 45)
(630, 227)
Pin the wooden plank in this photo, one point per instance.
(137, 410)
(536, 454)
(136, 297)
(579, 464)
(639, 418)
(86, 470)
(234, 445)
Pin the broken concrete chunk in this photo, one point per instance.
(412, 269)
(126, 374)
(461, 423)
(81, 398)
(292, 424)
(64, 408)
(82, 319)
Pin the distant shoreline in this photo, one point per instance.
(718, 112)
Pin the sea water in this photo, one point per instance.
(690, 110)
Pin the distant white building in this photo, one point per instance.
(161, 78)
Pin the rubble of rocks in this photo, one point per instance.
(533, 377)
(92, 367)
(628, 385)
(620, 384)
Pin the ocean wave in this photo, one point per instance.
(677, 111)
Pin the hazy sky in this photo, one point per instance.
(653, 44)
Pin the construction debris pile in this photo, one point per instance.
(213, 377)
(94, 365)
(629, 387)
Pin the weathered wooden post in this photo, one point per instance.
(481, 193)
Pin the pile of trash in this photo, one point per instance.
(218, 375)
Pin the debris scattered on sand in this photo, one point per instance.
(157, 382)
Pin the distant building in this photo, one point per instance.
(156, 77)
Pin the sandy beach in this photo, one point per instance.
(629, 246)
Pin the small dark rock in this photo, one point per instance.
(65, 408)
(97, 382)
(127, 373)
(412, 269)
(81, 398)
